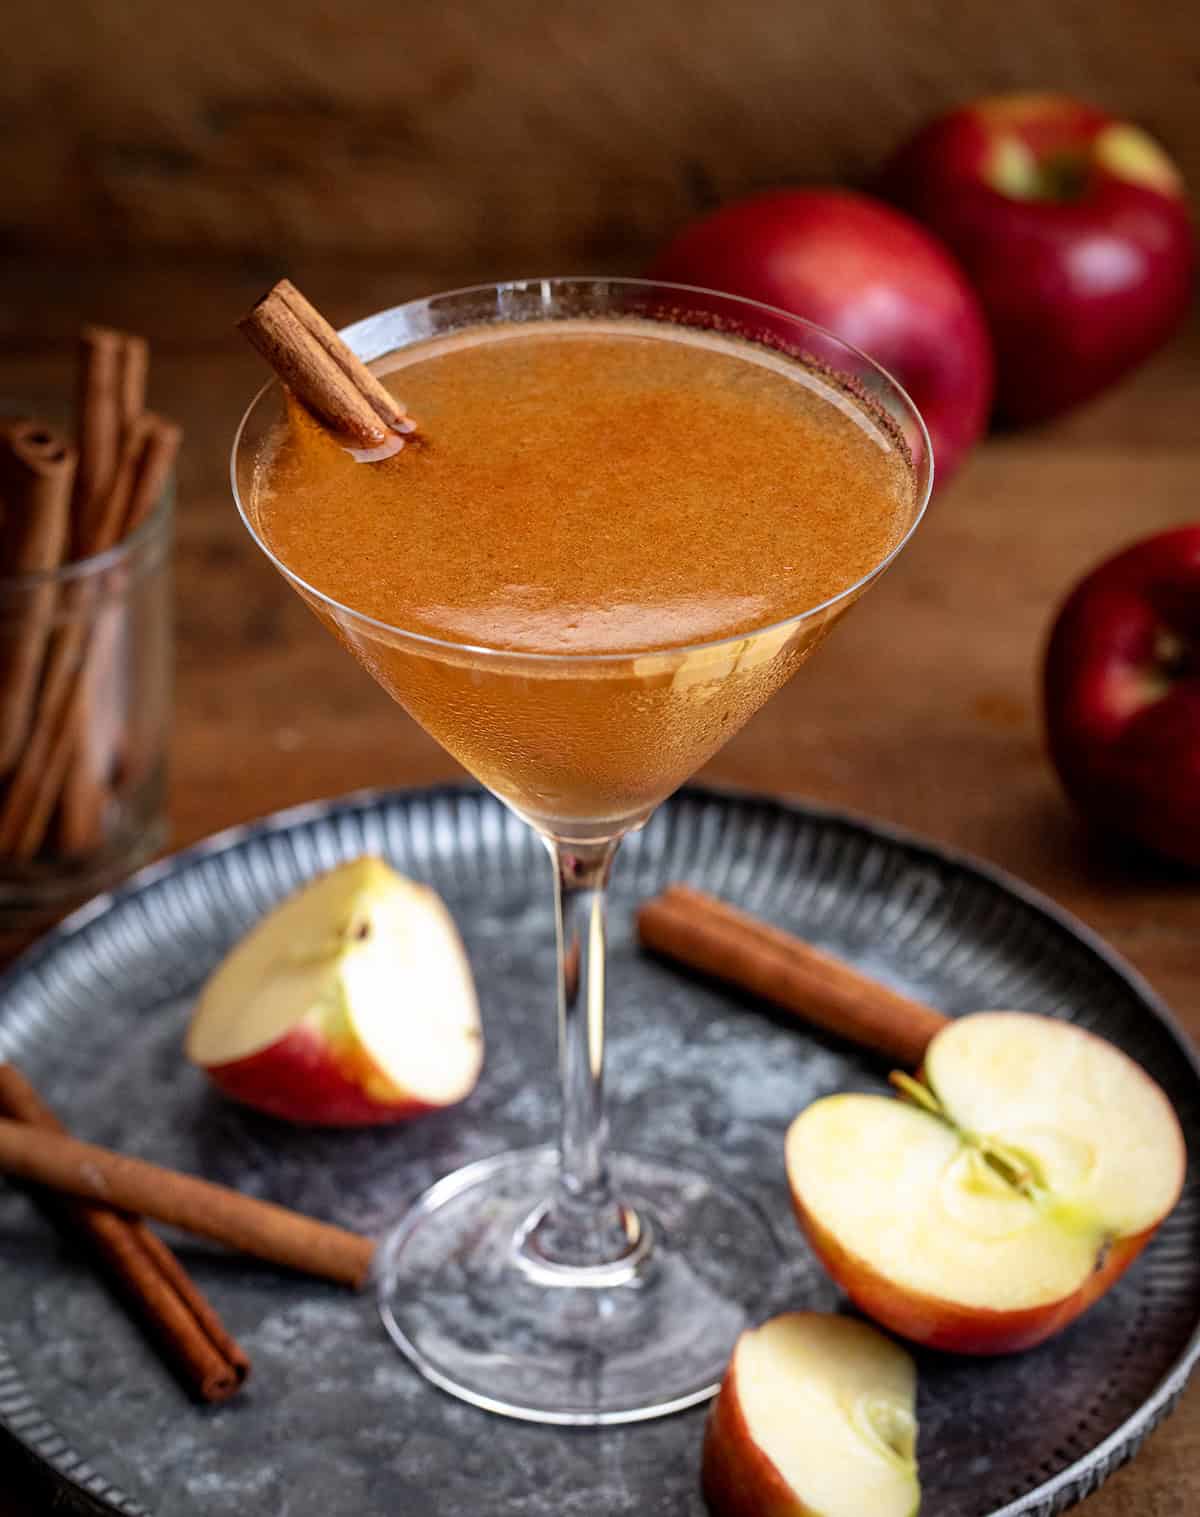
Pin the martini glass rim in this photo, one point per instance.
(669, 651)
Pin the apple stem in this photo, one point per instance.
(916, 1093)
(583, 1225)
(1170, 653)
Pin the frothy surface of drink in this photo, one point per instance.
(593, 487)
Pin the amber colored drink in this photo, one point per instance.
(581, 581)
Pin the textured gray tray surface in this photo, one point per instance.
(334, 1422)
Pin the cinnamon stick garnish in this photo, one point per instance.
(143, 1269)
(197, 1206)
(323, 373)
(704, 933)
(37, 471)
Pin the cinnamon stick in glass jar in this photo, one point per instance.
(37, 473)
(110, 396)
(83, 649)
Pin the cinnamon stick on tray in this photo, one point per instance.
(37, 472)
(704, 933)
(197, 1206)
(146, 1273)
(322, 372)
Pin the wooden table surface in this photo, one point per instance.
(922, 710)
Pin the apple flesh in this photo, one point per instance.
(351, 1003)
(815, 1418)
(1074, 229)
(1026, 1172)
(1121, 694)
(873, 277)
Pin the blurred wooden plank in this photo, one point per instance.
(424, 133)
(190, 305)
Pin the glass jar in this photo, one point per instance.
(85, 693)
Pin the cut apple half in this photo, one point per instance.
(1023, 1174)
(816, 1417)
(351, 1003)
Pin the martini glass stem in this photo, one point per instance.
(583, 1225)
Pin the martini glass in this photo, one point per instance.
(568, 1284)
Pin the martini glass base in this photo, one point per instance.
(475, 1310)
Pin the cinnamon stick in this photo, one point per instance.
(145, 1272)
(92, 740)
(105, 523)
(37, 470)
(110, 394)
(131, 389)
(320, 370)
(160, 441)
(197, 1206)
(38, 777)
(707, 934)
(148, 455)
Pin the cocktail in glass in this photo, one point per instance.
(633, 511)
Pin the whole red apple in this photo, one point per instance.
(1074, 229)
(869, 274)
(1122, 694)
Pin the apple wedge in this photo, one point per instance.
(815, 1418)
(351, 1003)
(1017, 1182)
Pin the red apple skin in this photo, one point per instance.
(1077, 290)
(736, 1477)
(303, 1078)
(947, 1325)
(873, 277)
(1121, 694)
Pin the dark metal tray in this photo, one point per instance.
(334, 1421)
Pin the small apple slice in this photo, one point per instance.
(351, 1003)
(815, 1418)
(1020, 1180)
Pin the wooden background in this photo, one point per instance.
(160, 162)
(520, 133)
